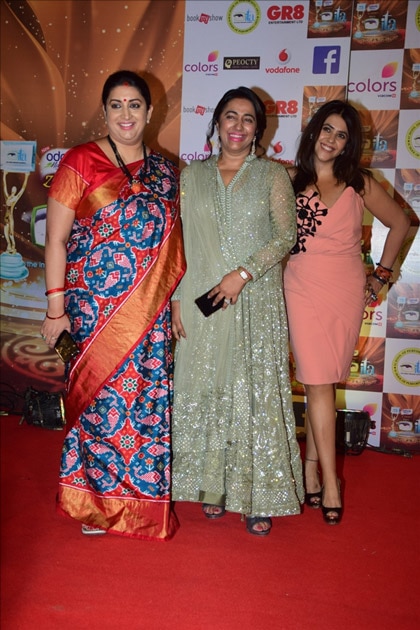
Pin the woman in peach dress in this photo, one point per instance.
(325, 284)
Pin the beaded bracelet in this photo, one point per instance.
(382, 274)
(379, 279)
(386, 268)
(50, 291)
(48, 317)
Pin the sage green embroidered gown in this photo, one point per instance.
(233, 428)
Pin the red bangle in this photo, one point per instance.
(54, 291)
(48, 317)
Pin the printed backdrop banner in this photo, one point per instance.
(296, 55)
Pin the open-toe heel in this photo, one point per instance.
(332, 515)
(313, 499)
(213, 511)
(253, 521)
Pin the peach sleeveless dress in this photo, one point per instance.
(324, 284)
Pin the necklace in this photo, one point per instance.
(135, 184)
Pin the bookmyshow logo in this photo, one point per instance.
(241, 63)
(200, 110)
(204, 18)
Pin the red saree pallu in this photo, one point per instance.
(124, 260)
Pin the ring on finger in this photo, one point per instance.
(227, 301)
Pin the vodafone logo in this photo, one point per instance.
(284, 56)
(283, 59)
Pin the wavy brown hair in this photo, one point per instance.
(346, 166)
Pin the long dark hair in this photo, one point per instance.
(346, 166)
(126, 77)
(249, 95)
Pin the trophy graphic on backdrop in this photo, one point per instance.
(16, 157)
(395, 412)
(360, 10)
(415, 93)
(407, 190)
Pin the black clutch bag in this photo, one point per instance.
(205, 304)
(66, 347)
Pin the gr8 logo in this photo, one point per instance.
(285, 13)
(287, 109)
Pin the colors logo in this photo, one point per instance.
(381, 88)
(209, 68)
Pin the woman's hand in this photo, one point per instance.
(372, 288)
(228, 289)
(51, 329)
(177, 327)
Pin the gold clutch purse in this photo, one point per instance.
(66, 347)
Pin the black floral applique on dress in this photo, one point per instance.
(307, 219)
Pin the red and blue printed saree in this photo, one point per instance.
(124, 260)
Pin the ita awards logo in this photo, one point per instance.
(412, 139)
(243, 17)
(406, 367)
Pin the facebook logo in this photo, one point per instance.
(326, 60)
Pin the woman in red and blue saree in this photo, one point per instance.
(113, 258)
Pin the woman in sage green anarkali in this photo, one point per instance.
(233, 431)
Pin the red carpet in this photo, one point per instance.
(362, 574)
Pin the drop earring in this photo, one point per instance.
(253, 145)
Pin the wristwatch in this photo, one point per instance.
(243, 273)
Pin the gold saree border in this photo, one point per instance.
(134, 518)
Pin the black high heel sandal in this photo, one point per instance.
(332, 515)
(313, 499)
